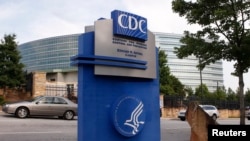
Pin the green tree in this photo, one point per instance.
(189, 91)
(220, 94)
(164, 72)
(224, 34)
(202, 91)
(177, 86)
(169, 84)
(231, 95)
(11, 73)
(247, 96)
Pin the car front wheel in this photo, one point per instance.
(68, 115)
(183, 119)
(214, 117)
(22, 112)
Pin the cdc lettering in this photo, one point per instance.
(131, 19)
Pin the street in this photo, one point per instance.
(176, 130)
(37, 129)
(54, 129)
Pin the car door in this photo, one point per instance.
(43, 106)
(59, 106)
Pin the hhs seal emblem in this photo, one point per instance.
(129, 116)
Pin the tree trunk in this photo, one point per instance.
(241, 95)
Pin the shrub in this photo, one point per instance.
(2, 101)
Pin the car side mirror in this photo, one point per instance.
(37, 102)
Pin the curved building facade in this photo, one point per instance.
(52, 55)
(185, 69)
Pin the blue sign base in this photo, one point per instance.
(114, 108)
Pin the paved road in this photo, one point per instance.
(54, 129)
(37, 129)
(176, 130)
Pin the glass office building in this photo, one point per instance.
(185, 69)
(52, 55)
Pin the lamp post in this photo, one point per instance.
(217, 87)
(200, 76)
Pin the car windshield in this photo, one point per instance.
(208, 107)
(35, 98)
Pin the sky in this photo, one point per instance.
(36, 19)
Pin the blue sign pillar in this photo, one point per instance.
(118, 83)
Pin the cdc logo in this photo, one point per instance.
(130, 25)
(129, 115)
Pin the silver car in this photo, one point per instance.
(247, 112)
(211, 110)
(43, 106)
(182, 115)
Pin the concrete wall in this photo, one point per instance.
(224, 113)
(70, 77)
(63, 77)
